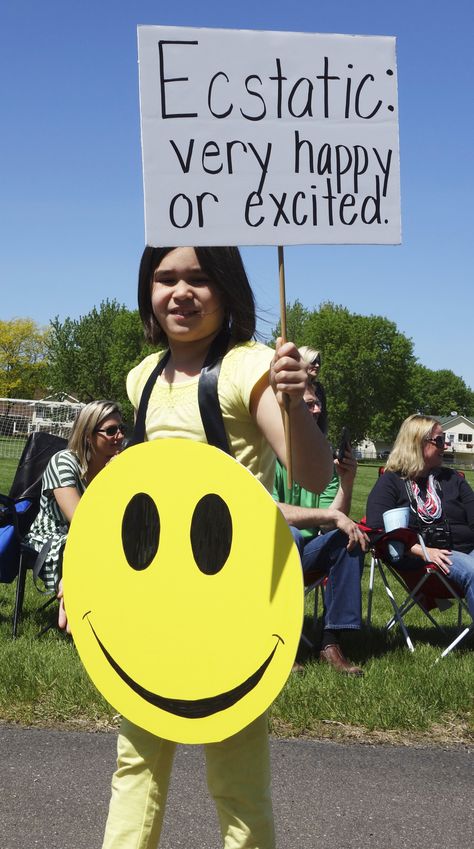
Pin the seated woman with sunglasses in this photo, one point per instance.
(312, 360)
(441, 502)
(96, 436)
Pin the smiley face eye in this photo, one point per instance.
(140, 531)
(211, 533)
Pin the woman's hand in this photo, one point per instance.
(62, 618)
(288, 374)
(438, 556)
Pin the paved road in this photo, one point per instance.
(54, 789)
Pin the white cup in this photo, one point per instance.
(393, 519)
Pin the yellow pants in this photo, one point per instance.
(238, 778)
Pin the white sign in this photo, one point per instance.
(268, 137)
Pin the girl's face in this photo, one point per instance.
(184, 300)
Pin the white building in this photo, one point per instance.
(459, 432)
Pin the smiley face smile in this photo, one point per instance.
(190, 708)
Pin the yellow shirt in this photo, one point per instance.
(173, 409)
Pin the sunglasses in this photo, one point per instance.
(439, 441)
(111, 430)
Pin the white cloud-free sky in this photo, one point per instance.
(71, 199)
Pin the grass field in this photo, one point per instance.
(11, 447)
(402, 696)
(7, 470)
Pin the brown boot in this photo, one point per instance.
(334, 657)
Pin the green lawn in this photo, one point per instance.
(402, 696)
(7, 470)
(12, 446)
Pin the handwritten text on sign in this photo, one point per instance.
(268, 138)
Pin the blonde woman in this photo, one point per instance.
(96, 437)
(312, 360)
(441, 502)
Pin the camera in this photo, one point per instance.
(437, 535)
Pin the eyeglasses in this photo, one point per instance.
(439, 441)
(111, 430)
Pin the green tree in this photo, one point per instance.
(366, 371)
(23, 348)
(91, 356)
(439, 393)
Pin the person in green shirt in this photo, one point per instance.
(327, 537)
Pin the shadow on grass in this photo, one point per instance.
(359, 646)
(34, 618)
(376, 641)
(439, 639)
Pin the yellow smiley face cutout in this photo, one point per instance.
(183, 590)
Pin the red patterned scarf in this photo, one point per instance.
(428, 508)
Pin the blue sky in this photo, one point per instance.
(71, 200)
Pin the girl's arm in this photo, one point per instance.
(311, 452)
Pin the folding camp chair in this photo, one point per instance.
(315, 581)
(373, 565)
(425, 586)
(38, 450)
(29, 559)
(36, 455)
(438, 592)
(16, 556)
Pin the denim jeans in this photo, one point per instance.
(461, 572)
(343, 597)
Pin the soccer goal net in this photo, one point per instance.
(19, 418)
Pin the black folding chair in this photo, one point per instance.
(29, 559)
(39, 449)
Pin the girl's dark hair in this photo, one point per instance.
(225, 269)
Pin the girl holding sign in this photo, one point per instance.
(190, 299)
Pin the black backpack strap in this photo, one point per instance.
(208, 398)
(139, 428)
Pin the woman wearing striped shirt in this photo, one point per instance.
(96, 437)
